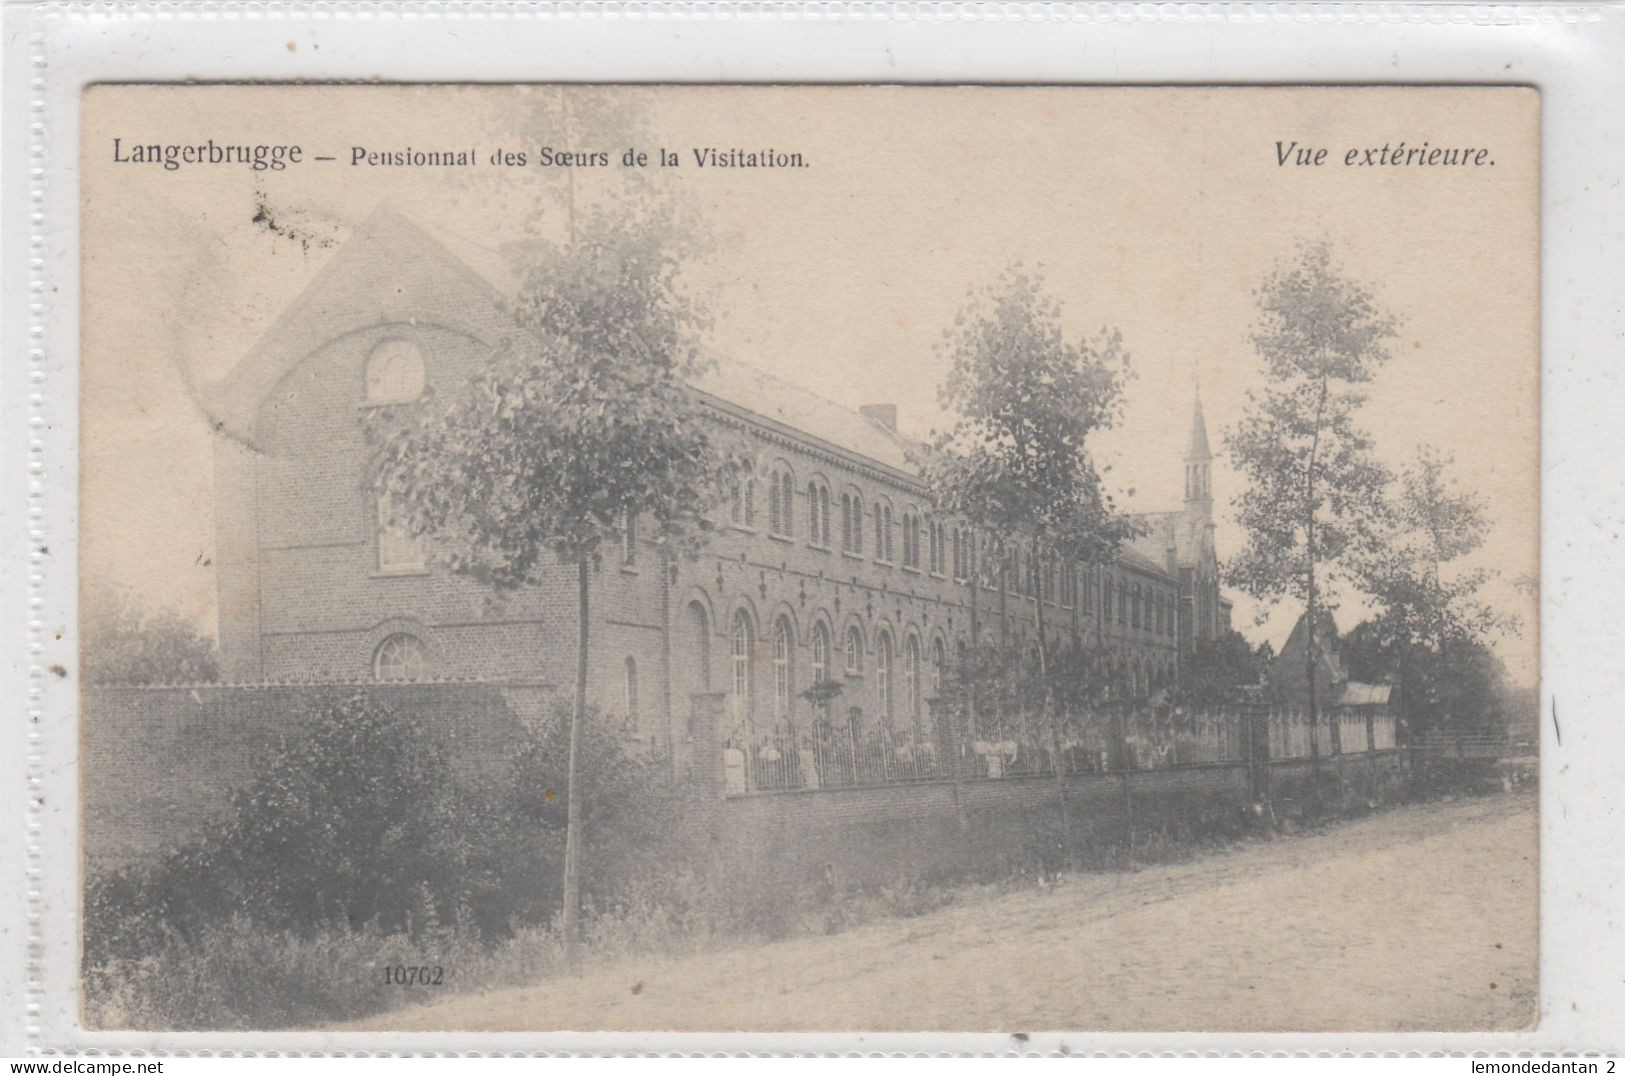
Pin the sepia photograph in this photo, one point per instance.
(809, 558)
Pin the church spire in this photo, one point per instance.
(1198, 449)
(1199, 463)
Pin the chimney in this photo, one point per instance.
(885, 414)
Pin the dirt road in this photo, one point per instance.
(1421, 918)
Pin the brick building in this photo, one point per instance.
(831, 565)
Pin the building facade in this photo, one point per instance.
(828, 567)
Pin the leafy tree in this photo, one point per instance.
(366, 817)
(121, 644)
(1432, 622)
(1015, 465)
(1222, 670)
(583, 429)
(1312, 485)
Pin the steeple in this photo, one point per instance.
(1199, 464)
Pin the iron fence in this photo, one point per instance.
(846, 750)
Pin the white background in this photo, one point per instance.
(1574, 54)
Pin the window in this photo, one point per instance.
(883, 532)
(1106, 588)
(394, 373)
(631, 697)
(629, 538)
(959, 553)
(398, 548)
(1122, 602)
(782, 679)
(911, 540)
(400, 657)
(820, 661)
(740, 656)
(851, 523)
(781, 503)
(818, 526)
(911, 678)
(939, 669)
(1049, 580)
(1088, 590)
(743, 510)
(883, 663)
(854, 652)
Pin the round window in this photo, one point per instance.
(400, 657)
(395, 372)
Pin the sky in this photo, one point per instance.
(1157, 212)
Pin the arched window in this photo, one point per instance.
(699, 646)
(820, 661)
(911, 678)
(783, 679)
(818, 525)
(880, 534)
(883, 674)
(400, 657)
(394, 373)
(854, 652)
(631, 695)
(399, 550)
(781, 515)
(852, 522)
(742, 512)
(740, 656)
(939, 669)
(629, 538)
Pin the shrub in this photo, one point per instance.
(366, 832)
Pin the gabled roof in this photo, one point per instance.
(1358, 694)
(1184, 531)
(388, 248)
(760, 393)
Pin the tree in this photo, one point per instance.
(1432, 621)
(1312, 485)
(1222, 670)
(1015, 464)
(124, 645)
(573, 437)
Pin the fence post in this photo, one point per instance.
(1125, 768)
(705, 745)
(950, 744)
(1257, 721)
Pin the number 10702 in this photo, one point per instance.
(414, 974)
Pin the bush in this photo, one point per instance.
(366, 834)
